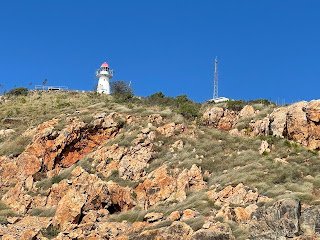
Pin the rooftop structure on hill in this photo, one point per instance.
(51, 88)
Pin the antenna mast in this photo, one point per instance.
(215, 81)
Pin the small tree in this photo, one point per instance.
(157, 98)
(18, 91)
(121, 89)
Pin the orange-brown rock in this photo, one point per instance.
(235, 195)
(228, 120)
(153, 217)
(111, 230)
(259, 127)
(56, 192)
(18, 199)
(177, 145)
(236, 133)
(189, 180)
(24, 228)
(100, 194)
(220, 118)
(174, 216)
(244, 214)
(213, 116)
(264, 147)
(297, 123)
(278, 122)
(176, 231)
(106, 159)
(50, 149)
(132, 165)
(8, 171)
(155, 118)
(158, 186)
(69, 210)
(170, 129)
(188, 214)
(247, 111)
(203, 234)
(29, 235)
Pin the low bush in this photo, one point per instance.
(134, 215)
(195, 223)
(18, 91)
(43, 212)
(50, 232)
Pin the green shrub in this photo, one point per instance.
(18, 91)
(236, 105)
(6, 211)
(50, 232)
(121, 91)
(189, 110)
(195, 223)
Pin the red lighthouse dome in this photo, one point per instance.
(104, 64)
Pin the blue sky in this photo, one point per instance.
(266, 49)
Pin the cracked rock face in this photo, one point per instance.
(50, 149)
(299, 121)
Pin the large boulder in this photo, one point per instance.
(259, 127)
(313, 116)
(133, 164)
(279, 220)
(297, 123)
(278, 122)
(310, 221)
(69, 210)
(159, 185)
(18, 199)
(247, 111)
(213, 116)
(235, 195)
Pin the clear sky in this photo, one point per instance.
(266, 48)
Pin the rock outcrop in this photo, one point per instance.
(220, 118)
(299, 121)
(51, 149)
(69, 210)
(160, 186)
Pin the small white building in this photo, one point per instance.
(218, 100)
(104, 74)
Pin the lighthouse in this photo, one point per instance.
(104, 74)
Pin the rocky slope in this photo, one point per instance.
(128, 175)
(299, 122)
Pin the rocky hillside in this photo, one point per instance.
(87, 166)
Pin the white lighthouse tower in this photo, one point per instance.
(104, 74)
